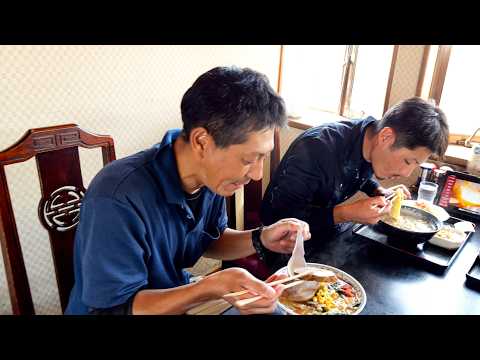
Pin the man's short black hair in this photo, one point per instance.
(230, 102)
(417, 123)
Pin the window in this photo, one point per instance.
(372, 71)
(349, 80)
(432, 53)
(460, 89)
(312, 78)
(454, 86)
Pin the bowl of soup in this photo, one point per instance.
(414, 226)
(337, 294)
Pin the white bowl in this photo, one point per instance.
(435, 210)
(341, 275)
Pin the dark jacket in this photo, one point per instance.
(322, 168)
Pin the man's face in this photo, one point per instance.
(229, 169)
(390, 163)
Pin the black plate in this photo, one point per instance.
(432, 256)
(473, 275)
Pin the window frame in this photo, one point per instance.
(348, 79)
(436, 89)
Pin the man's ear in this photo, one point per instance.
(387, 136)
(200, 140)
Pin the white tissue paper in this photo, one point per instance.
(297, 260)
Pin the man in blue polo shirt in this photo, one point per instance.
(148, 216)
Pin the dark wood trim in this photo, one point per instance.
(61, 242)
(36, 141)
(351, 81)
(390, 78)
(15, 271)
(440, 72)
(275, 155)
(348, 78)
(252, 202)
(232, 217)
(438, 81)
(280, 69)
(423, 68)
(298, 125)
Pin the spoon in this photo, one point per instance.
(297, 260)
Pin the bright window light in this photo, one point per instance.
(460, 90)
(371, 79)
(312, 78)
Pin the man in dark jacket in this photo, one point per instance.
(328, 164)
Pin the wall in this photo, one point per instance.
(407, 72)
(130, 92)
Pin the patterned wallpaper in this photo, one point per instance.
(132, 93)
(407, 70)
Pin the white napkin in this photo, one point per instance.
(297, 260)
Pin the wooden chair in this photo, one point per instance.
(55, 150)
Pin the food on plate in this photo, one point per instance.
(448, 237)
(410, 223)
(333, 296)
(397, 204)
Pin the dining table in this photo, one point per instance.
(398, 284)
(394, 282)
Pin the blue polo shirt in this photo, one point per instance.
(136, 230)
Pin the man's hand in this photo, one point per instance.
(391, 190)
(280, 237)
(366, 211)
(237, 279)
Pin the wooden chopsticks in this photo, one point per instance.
(390, 197)
(212, 307)
(219, 305)
(273, 283)
(256, 298)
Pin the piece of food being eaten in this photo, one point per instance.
(302, 292)
(397, 204)
(320, 275)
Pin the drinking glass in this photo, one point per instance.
(427, 191)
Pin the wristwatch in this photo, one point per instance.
(257, 243)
